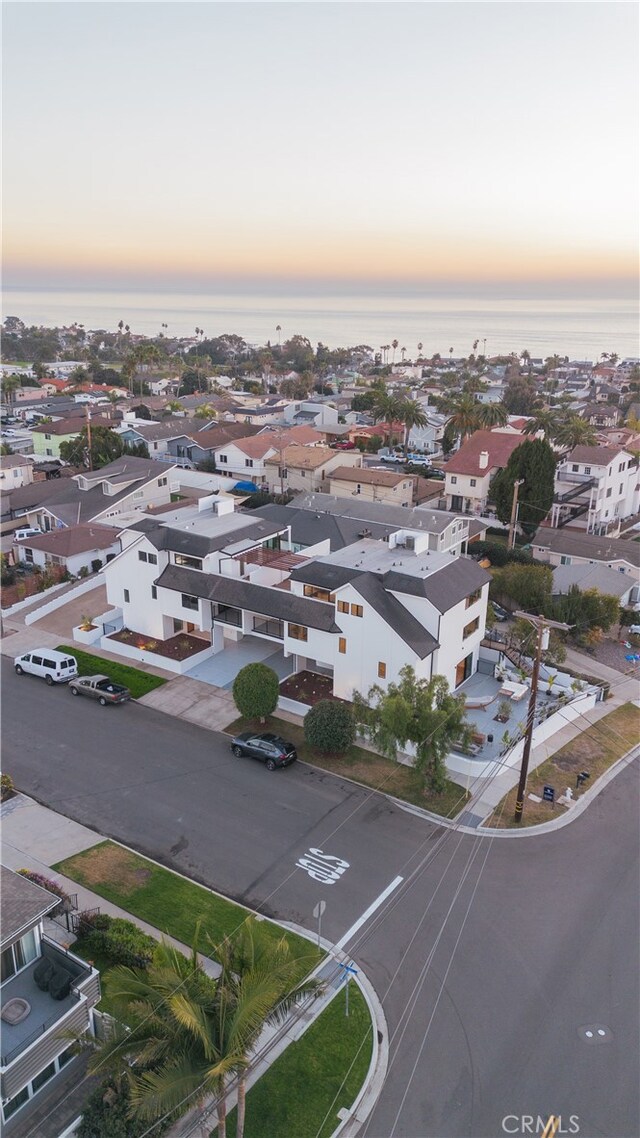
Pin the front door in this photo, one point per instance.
(456, 501)
(463, 670)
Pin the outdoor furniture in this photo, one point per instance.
(43, 973)
(60, 983)
(15, 1010)
(514, 690)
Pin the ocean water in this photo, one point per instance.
(580, 328)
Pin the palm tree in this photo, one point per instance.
(464, 414)
(258, 972)
(574, 431)
(394, 345)
(492, 415)
(546, 421)
(420, 346)
(403, 352)
(205, 411)
(10, 384)
(412, 415)
(278, 330)
(386, 409)
(450, 354)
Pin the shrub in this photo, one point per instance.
(6, 786)
(118, 940)
(107, 1114)
(83, 571)
(498, 554)
(329, 726)
(255, 691)
(48, 884)
(96, 565)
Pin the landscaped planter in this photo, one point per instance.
(144, 656)
(87, 635)
(293, 706)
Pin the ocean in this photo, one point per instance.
(580, 329)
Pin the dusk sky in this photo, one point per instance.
(445, 145)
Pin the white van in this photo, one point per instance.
(54, 667)
(21, 534)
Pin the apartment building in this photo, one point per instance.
(596, 487)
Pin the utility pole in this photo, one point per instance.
(543, 626)
(514, 513)
(89, 458)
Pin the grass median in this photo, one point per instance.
(365, 767)
(139, 683)
(316, 1077)
(596, 749)
(170, 903)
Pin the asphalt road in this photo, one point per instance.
(491, 957)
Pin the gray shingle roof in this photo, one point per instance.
(309, 527)
(23, 904)
(277, 603)
(587, 545)
(198, 544)
(371, 589)
(446, 587)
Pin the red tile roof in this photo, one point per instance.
(499, 447)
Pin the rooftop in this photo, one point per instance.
(366, 476)
(303, 457)
(23, 904)
(587, 545)
(596, 456)
(73, 539)
(499, 446)
(395, 517)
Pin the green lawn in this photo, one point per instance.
(367, 768)
(301, 1093)
(139, 683)
(170, 903)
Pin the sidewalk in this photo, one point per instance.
(35, 837)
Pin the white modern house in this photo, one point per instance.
(596, 488)
(358, 615)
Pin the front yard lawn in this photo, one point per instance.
(170, 903)
(365, 767)
(138, 682)
(302, 1093)
(595, 750)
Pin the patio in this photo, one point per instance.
(482, 693)
(222, 669)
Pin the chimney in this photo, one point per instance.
(483, 460)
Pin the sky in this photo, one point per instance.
(332, 145)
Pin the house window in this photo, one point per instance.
(43, 1077)
(472, 482)
(587, 470)
(316, 593)
(342, 645)
(177, 625)
(282, 472)
(343, 606)
(302, 473)
(18, 955)
(472, 598)
(28, 556)
(15, 1103)
(575, 468)
(297, 632)
(620, 488)
(152, 559)
(189, 602)
(142, 555)
(608, 494)
(470, 628)
(139, 494)
(248, 462)
(454, 479)
(223, 458)
(47, 436)
(564, 560)
(154, 593)
(162, 482)
(382, 670)
(48, 451)
(357, 610)
(189, 562)
(155, 446)
(127, 598)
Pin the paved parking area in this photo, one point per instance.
(222, 669)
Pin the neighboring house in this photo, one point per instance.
(15, 471)
(596, 487)
(373, 485)
(156, 436)
(48, 437)
(306, 468)
(469, 472)
(359, 614)
(564, 547)
(74, 547)
(600, 577)
(307, 412)
(196, 446)
(429, 438)
(17, 505)
(129, 483)
(245, 458)
(39, 1046)
(600, 415)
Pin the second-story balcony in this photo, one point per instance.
(273, 629)
(226, 614)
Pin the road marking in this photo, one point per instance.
(368, 912)
(323, 867)
(551, 1129)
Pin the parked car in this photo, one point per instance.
(435, 472)
(499, 612)
(52, 666)
(394, 459)
(23, 534)
(101, 688)
(634, 629)
(270, 749)
(348, 445)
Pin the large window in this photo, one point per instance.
(317, 593)
(18, 955)
(472, 598)
(188, 562)
(189, 602)
(343, 606)
(357, 610)
(470, 628)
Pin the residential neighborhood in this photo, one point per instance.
(437, 559)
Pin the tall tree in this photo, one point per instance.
(464, 415)
(535, 463)
(545, 420)
(574, 431)
(410, 414)
(106, 446)
(386, 410)
(422, 712)
(394, 345)
(492, 415)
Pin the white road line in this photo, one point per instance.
(368, 912)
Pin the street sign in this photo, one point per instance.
(548, 793)
(349, 970)
(319, 909)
